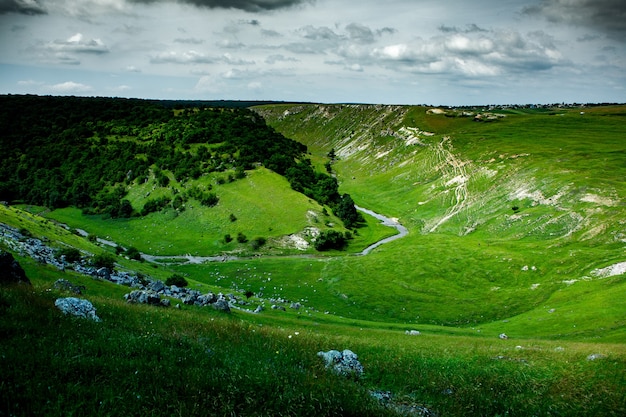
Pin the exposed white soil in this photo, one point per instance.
(610, 271)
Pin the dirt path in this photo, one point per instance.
(189, 259)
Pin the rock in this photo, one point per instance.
(65, 285)
(165, 302)
(503, 336)
(344, 363)
(384, 397)
(143, 297)
(295, 306)
(206, 299)
(222, 305)
(156, 286)
(77, 307)
(277, 307)
(412, 332)
(104, 273)
(595, 357)
(10, 270)
(258, 309)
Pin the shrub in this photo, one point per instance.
(241, 238)
(133, 253)
(72, 255)
(330, 239)
(232, 217)
(228, 238)
(177, 280)
(103, 260)
(257, 242)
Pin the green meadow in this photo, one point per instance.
(510, 221)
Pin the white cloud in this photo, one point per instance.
(69, 87)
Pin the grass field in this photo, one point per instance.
(508, 223)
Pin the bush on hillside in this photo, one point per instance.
(330, 239)
(103, 260)
(177, 280)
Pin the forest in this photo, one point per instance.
(85, 152)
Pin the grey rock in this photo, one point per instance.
(65, 285)
(156, 286)
(222, 305)
(596, 356)
(258, 309)
(295, 306)
(143, 297)
(104, 273)
(412, 332)
(344, 363)
(77, 307)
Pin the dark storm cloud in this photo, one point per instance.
(608, 16)
(29, 7)
(247, 5)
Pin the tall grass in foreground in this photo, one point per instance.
(143, 360)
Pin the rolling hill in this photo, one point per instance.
(510, 278)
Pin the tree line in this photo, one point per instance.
(85, 152)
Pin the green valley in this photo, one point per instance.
(504, 298)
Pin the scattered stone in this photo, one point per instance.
(595, 356)
(503, 336)
(156, 286)
(295, 306)
(258, 309)
(277, 307)
(344, 363)
(412, 332)
(104, 273)
(77, 307)
(384, 397)
(165, 302)
(10, 270)
(143, 297)
(221, 305)
(65, 285)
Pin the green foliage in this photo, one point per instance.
(241, 238)
(133, 253)
(154, 205)
(228, 238)
(232, 217)
(103, 260)
(257, 242)
(330, 239)
(346, 211)
(71, 254)
(60, 151)
(177, 280)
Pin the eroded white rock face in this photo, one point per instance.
(77, 307)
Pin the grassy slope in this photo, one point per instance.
(263, 204)
(484, 263)
(143, 360)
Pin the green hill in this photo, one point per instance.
(511, 276)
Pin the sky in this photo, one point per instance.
(434, 52)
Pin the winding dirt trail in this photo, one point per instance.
(190, 259)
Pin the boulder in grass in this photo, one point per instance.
(77, 307)
(344, 363)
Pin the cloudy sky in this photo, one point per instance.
(393, 51)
